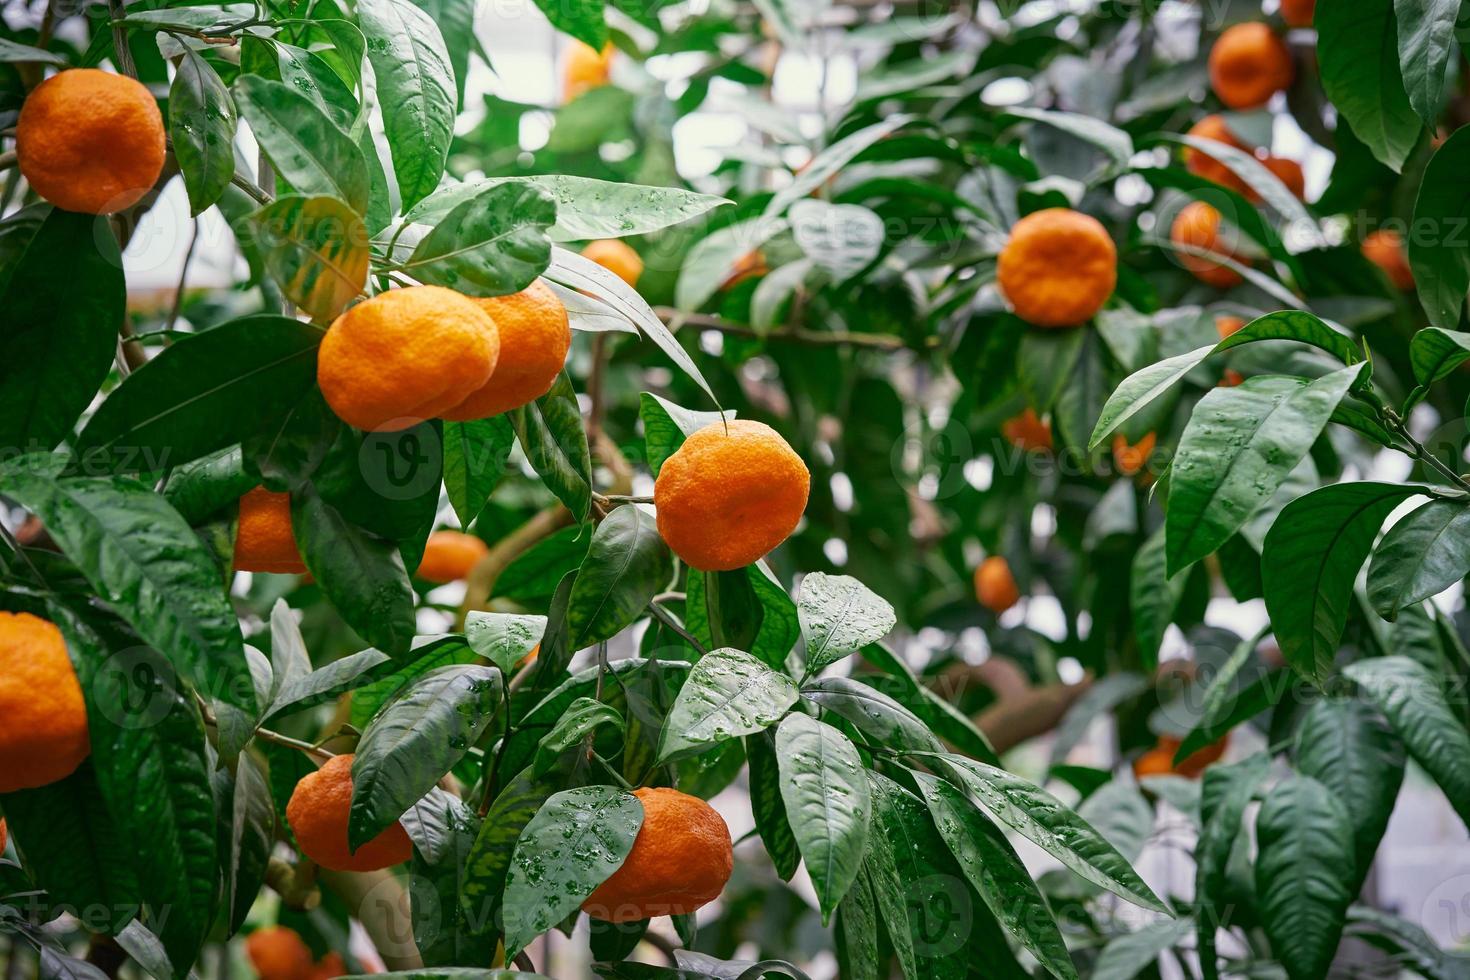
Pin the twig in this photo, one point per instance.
(664, 616)
(795, 334)
(122, 55)
(173, 313)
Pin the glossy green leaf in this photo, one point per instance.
(882, 720)
(1358, 54)
(1154, 596)
(767, 806)
(839, 615)
(856, 931)
(666, 426)
(1141, 388)
(201, 124)
(626, 566)
(1434, 352)
(476, 458)
(1426, 41)
(1423, 554)
(1438, 256)
(1128, 955)
(711, 261)
(1227, 790)
(329, 683)
(583, 717)
(491, 245)
(1239, 445)
(1298, 325)
(551, 435)
(246, 835)
(728, 693)
(316, 248)
(504, 639)
(488, 862)
(306, 147)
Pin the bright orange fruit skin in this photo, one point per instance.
(43, 718)
(1385, 249)
(1133, 458)
(584, 68)
(279, 953)
(1298, 13)
(1290, 173)
(4, 835)
(264, 540)
(329, 967)
(1249, 63)
(727, 498)
(1214, 127)
(535, 335)
(995, 586)
(404, 356)
(617, 257)
(318, 813)
(449, 556)
(90, 141)
(1058, 267)
(1227, 325)
(1028, 432)
(680, 861)
(1198, 224)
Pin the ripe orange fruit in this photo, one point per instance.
(404, 356)
(329, 967)
(449, 556)
(995, 586)
(1132, 459)
(1298, 13)
(1198, 224)
(1248, 65)
(317, 814)
(90, 141)
(1227, 325)
(43, 719)
(264, 541)
(730, 494)
(1194, 764)
(278, 953)
(617, 257)
(1214, 127)
(584, 68)
(1058, 267)
(1155, 762)
(1289, 172)
(535, 336)
(748, 266)
(1027, 432)
(680, 861)
(1385, 249)
(1229, 378)
(4, 835)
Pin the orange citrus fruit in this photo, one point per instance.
(264, 541)
(995, 586)
(1298, 13)
(318, 813)
(279, 953)
(1132, 459)
(43, 718)
(1289, 172)
(1198, 224)
(1229, 378)
(1214, 127)
(1058, 267)
(1249, 63)
(329, 967)
(4, 835)
(1155, 762)
(535, 336)
(680, 861)
(749, 266)
(617, 257)
(1227, 325)
(90, 141)
(1385, 249)
(404, 356)
(730, 494)
(449, 556)
(1028, 432)
(1194, 764)
(584, 68)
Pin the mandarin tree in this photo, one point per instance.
(722, 489)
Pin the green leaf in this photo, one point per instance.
(1128, 955)
(1239, 446)
(489, 858)
(767, 807)
(1406, 942)
(582, 19)
(1304, 874)
(626, 566)
(1413, 700)
(1265, 184)
(1434, 353)
(1227, 790)
(712, 259)
(575, 841)
(185, 402)
(10, 51)
(316, 248)
(328, 683)
(1436, 251)
(1040, 817)
(582, 717)
(1140, 389)
(1117, 144)
(1154, 597)
(1357, 45)
(456, 20)
(1423, 554)
(857, 931)
(878, 717)
(842, 239)
(825, 789)
(362, 574)
(503, 639)
(476, 457)
(1310, 562)
(1227, 704)
(148, 565)
(728, 693)
(551, 435)
(1298, 325)
(993, 868)
(1426, 41)
(829, 162)
(201, 124)
(491, 245)
(1345, 745)
(416, 740)
(153, 774)
(666, 426)
(61, 303)
(443, 829)
(305, 146)
(839, 615)
(416, 89)
(1045, 362)
(246, 835)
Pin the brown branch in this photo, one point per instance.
(379, 901)
(794, 334)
